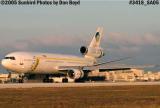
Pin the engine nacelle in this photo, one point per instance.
(76, 74)
(93, 52)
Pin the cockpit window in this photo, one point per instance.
(11, 58)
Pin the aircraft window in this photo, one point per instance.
(6, 58)
(11, 58)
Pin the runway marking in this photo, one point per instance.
(50, 85)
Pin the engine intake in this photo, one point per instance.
(92, 52)
(76, 74)
(83, 50)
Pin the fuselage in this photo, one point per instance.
(36, 62)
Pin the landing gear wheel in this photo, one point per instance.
(45, 80)
(51, 80)
(20, 81)
(65, 80)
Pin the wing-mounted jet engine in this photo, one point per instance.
(76, 74)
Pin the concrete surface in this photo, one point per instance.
(33, 85)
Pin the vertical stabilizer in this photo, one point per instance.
(94, 50)
(97, 38)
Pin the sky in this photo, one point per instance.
(129, 31)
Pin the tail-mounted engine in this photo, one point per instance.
(76, 74)
(93, 52)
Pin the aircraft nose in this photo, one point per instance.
(4, 63)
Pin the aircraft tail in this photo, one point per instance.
(97, 38)
(94, 50)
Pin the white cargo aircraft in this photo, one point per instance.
(46, 63)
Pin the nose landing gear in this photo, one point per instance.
(22, 78)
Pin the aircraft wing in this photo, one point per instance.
(117, 67)
(93, 67)
(108, 67)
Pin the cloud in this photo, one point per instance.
(134, 39)
(119, 43)
(21, 46)
(131, 44)
(55, 40)
(42, 42)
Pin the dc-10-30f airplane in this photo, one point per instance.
(46, 63)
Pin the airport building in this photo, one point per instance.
(5, 78)
(128, 75)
